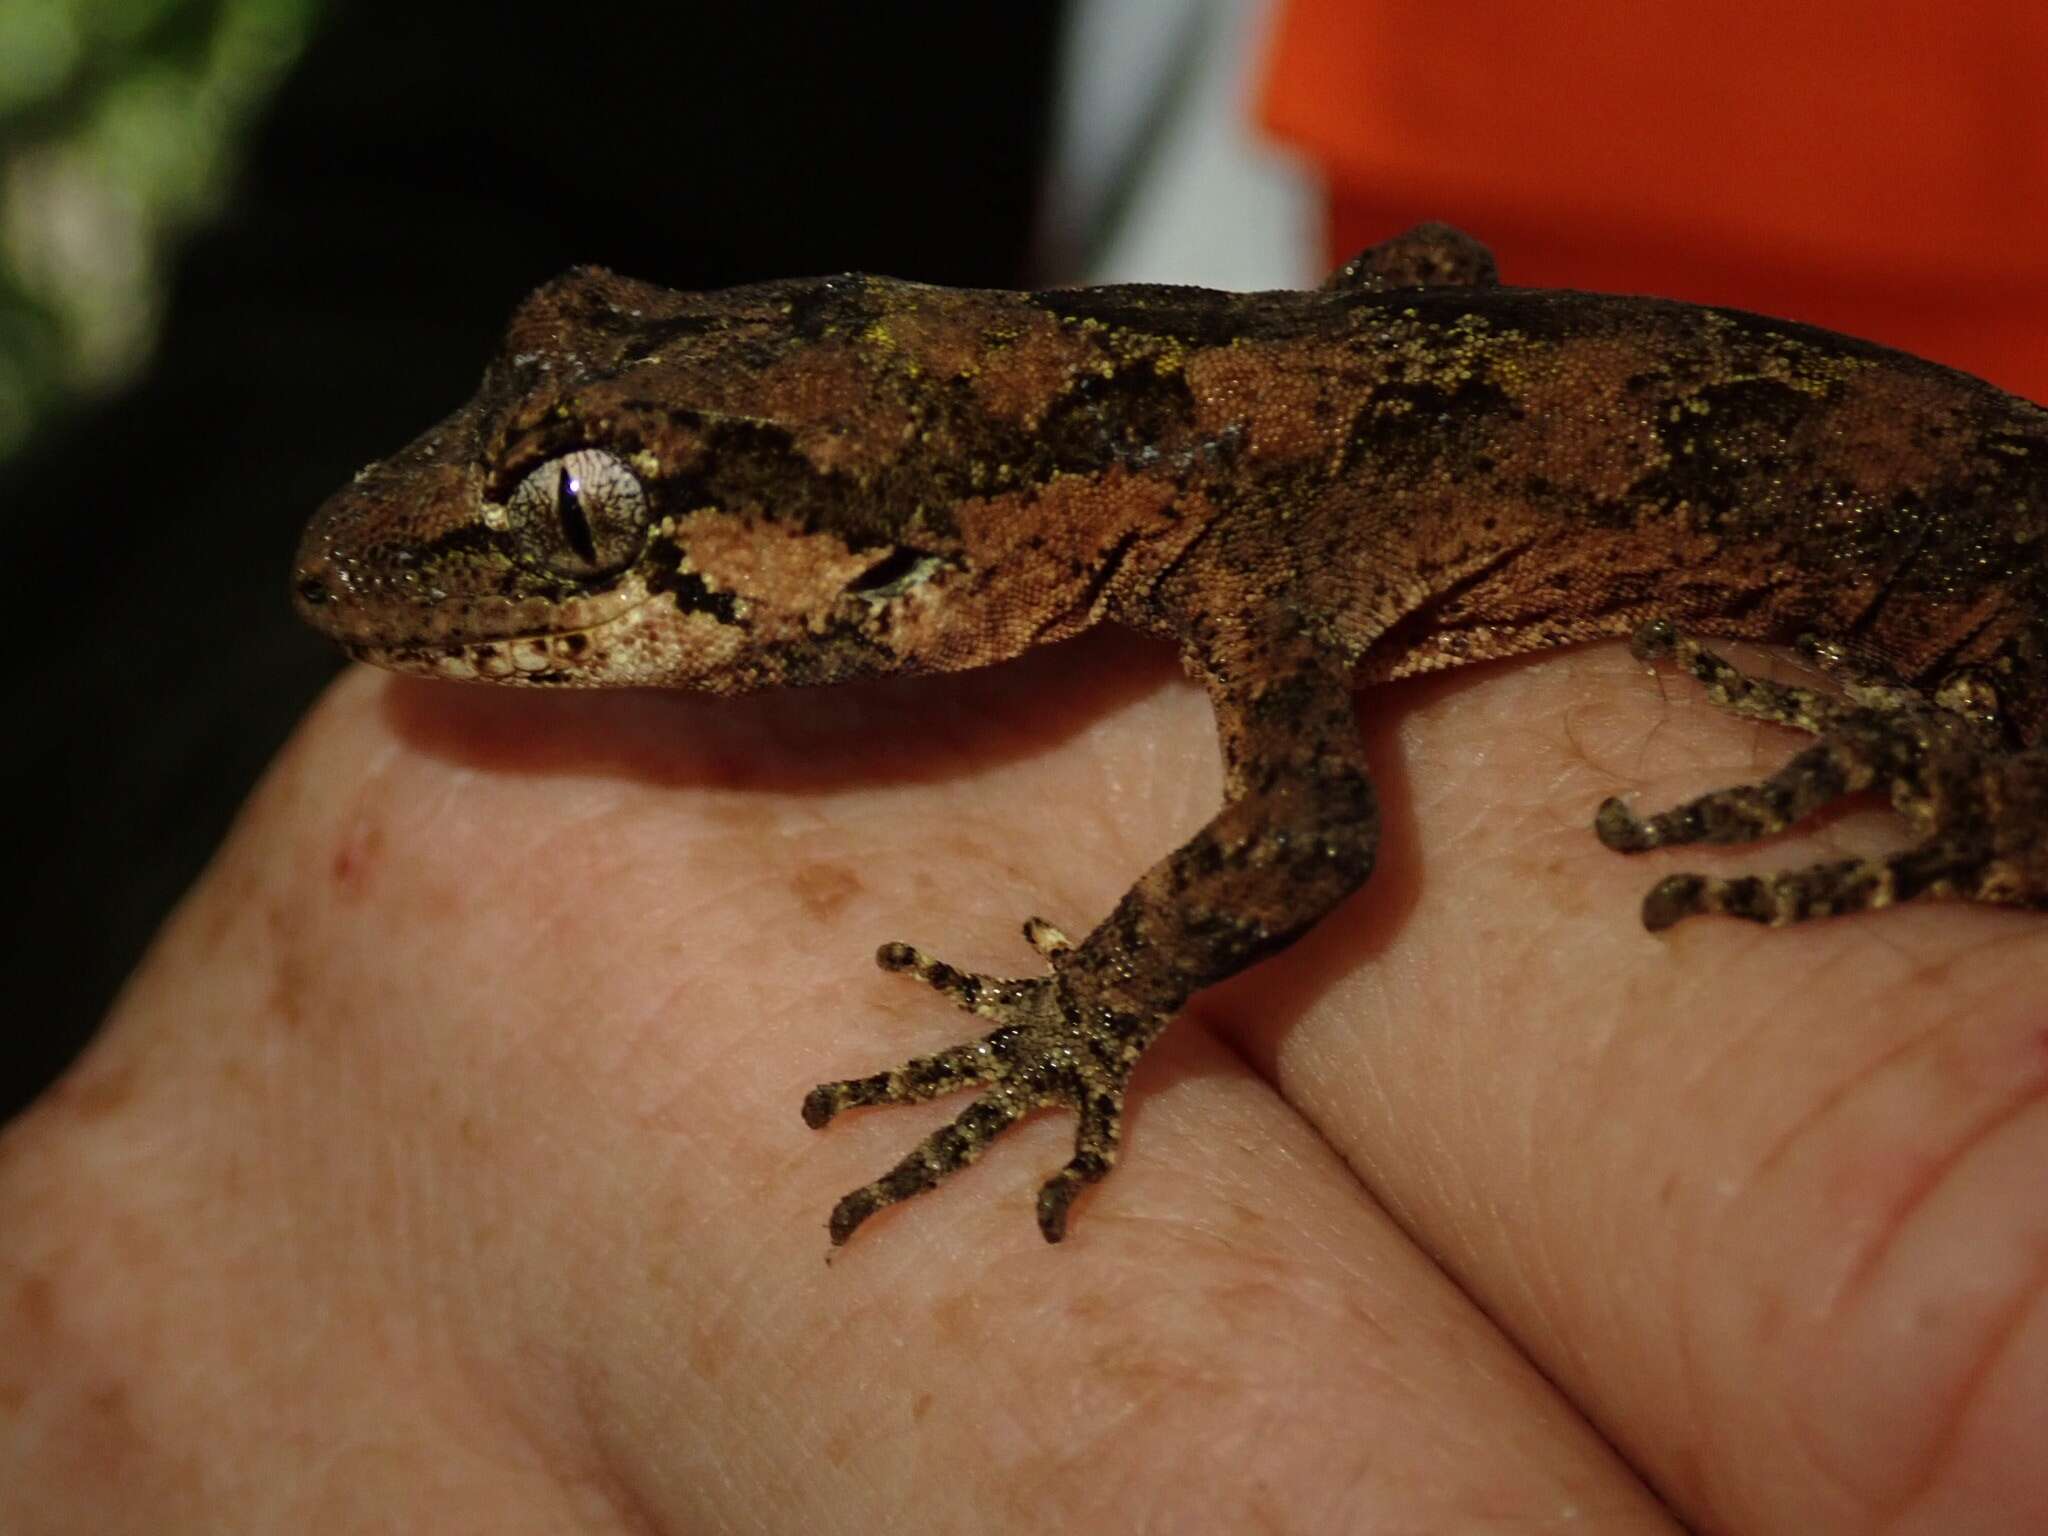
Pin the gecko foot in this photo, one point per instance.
(1045, 1051)
(1981, 809)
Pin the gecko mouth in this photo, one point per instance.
(562, 641)
(594, 655)
(542, 659)
(486, 636)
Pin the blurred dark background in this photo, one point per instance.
(418, 170)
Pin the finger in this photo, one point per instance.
(1753, 1198)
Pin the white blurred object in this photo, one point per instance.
(1157, 174)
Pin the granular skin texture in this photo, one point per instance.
(1409, 468)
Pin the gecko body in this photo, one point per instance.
(1410, 468)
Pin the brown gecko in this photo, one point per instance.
(1408, 468)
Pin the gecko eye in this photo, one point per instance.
(586, 512)
(894, 574)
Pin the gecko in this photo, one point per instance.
(1411, 467)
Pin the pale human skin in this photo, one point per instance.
(441, 1168)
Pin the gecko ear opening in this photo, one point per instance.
(894, 574)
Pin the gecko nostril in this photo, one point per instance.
(313, 589)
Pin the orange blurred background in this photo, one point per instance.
(1873, 166)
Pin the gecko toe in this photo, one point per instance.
(1672, 898)
(1054, 1196)
(821, 1104)
(947, 1150)
(850, 1212)
(964, 989)
(1931, 755)
(1060, 1191)
(1653, 640)
(1620, 828)
(1045, 938)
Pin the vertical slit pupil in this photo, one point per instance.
(575, 522)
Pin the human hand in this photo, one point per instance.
(442, 1166)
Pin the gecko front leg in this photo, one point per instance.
(1979, 808)
(1296, 835)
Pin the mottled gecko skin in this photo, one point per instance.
(1409, 468)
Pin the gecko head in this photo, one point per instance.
(725, 491)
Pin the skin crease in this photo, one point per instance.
(439, 1170)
